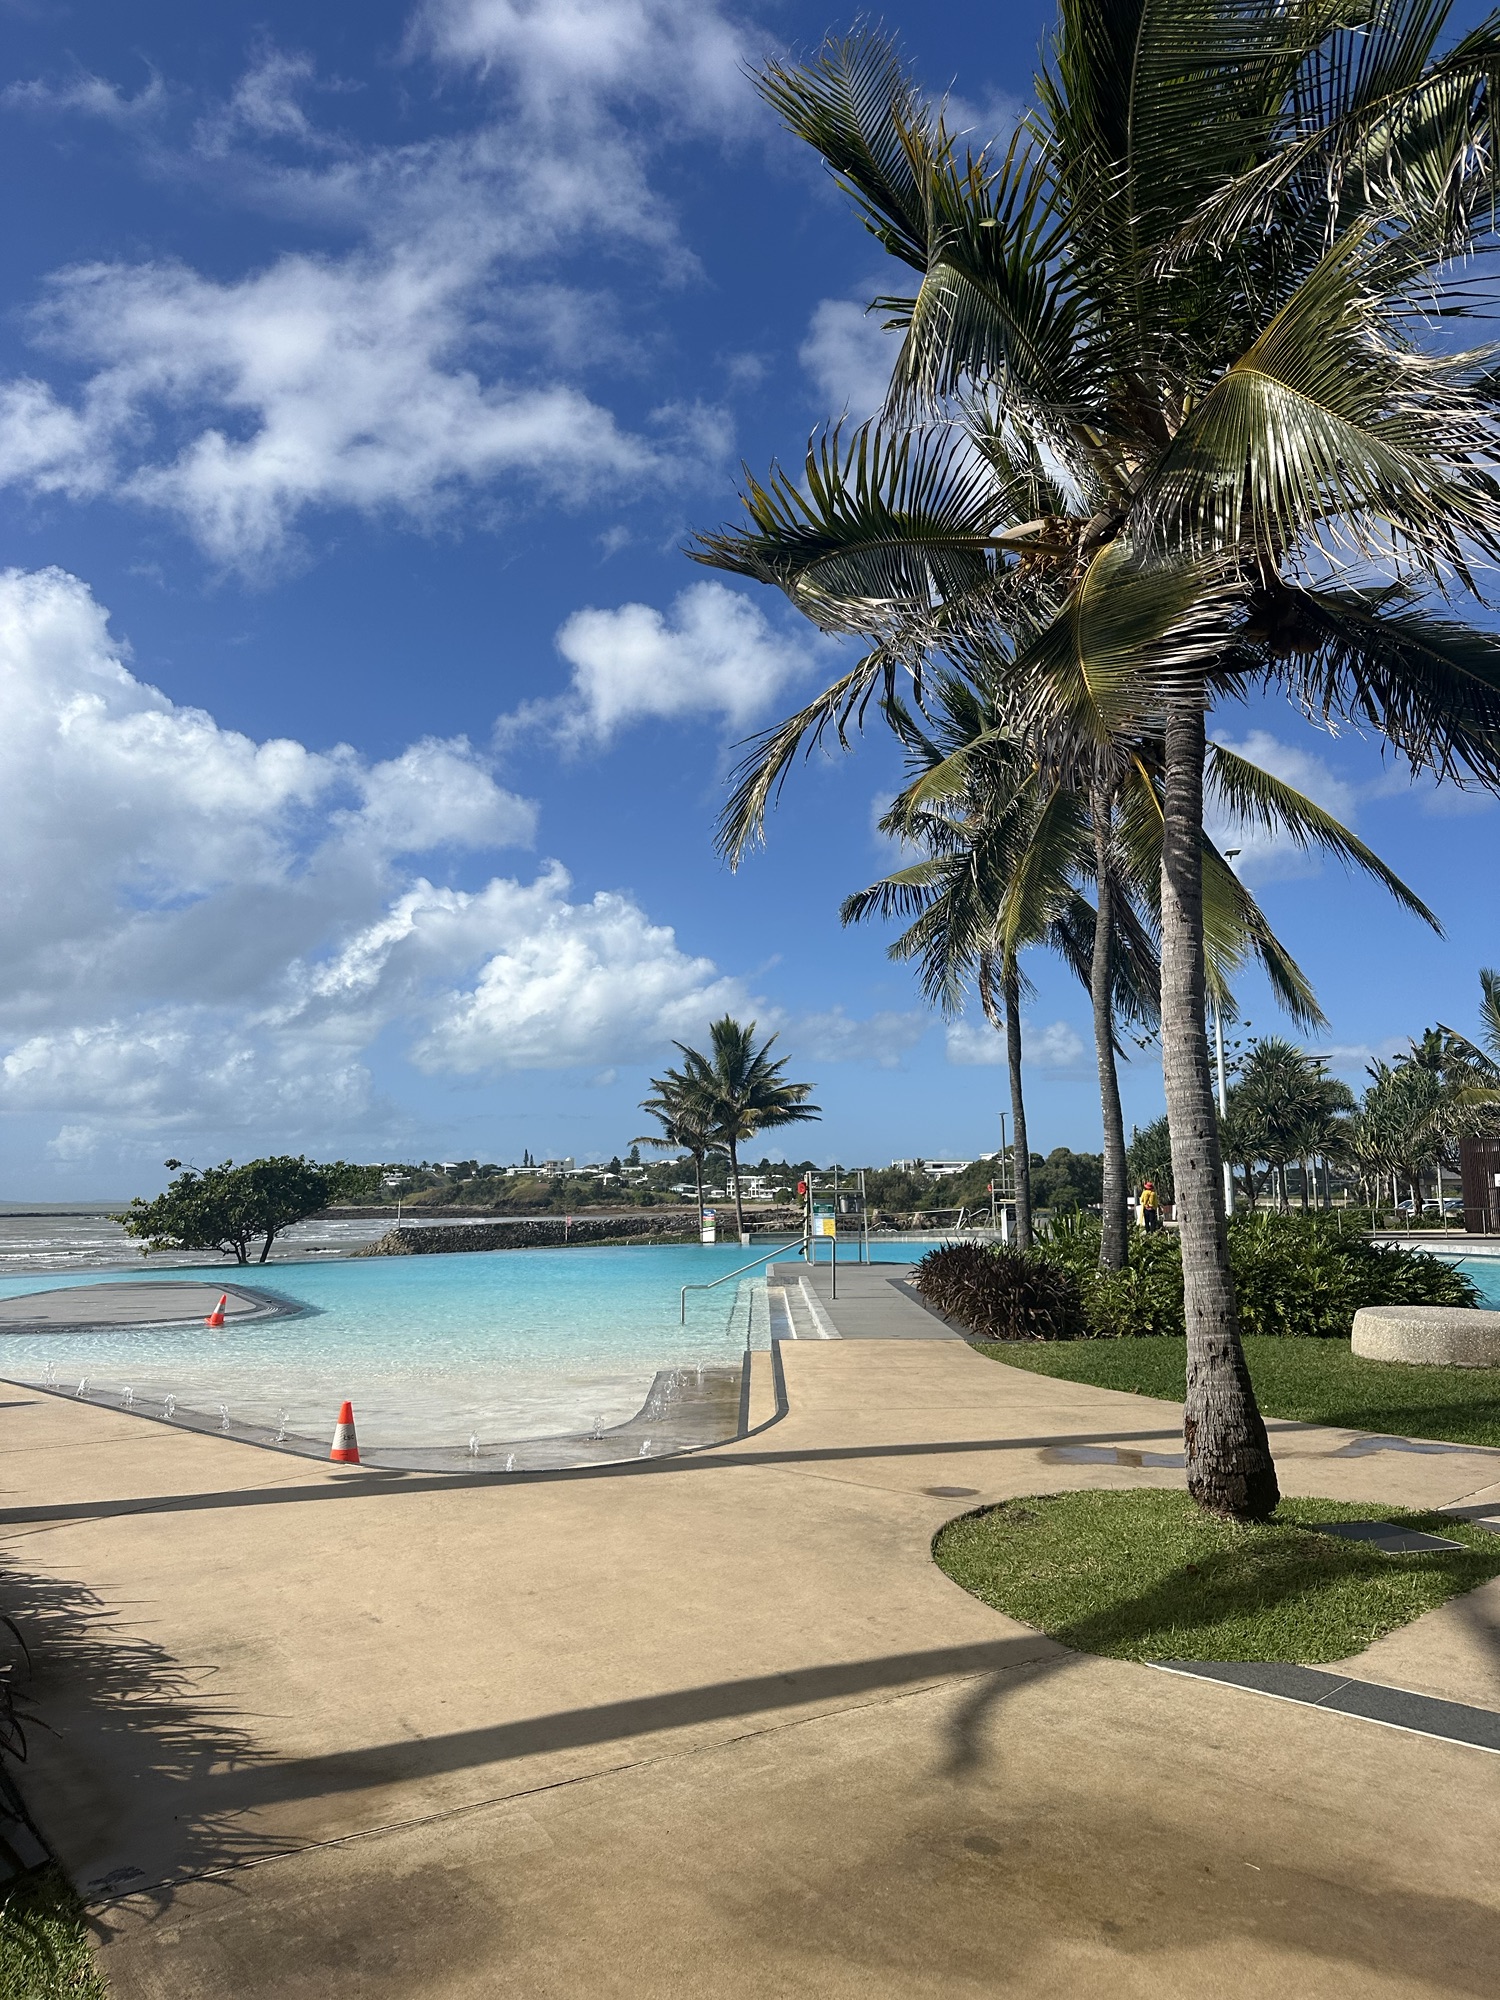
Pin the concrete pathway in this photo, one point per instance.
(711, 1726)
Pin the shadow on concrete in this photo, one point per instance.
(158, 1740)
(399, 1762)
(373, 1484)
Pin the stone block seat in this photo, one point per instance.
(1448, 1336)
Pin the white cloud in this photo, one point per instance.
(715, 653)
(1271, 857)
(881, 1039)
(89, 96)
(561, 983)
(985, 124)
(333, 383)
(849, 356)
(565, 58)
(1352, 1059)
(1057, 1049)
(201, 934)
(426, 364)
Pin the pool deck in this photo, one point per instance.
(715, 1725)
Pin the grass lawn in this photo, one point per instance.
(44, 1949)
(1145, 1575)
(1314, 1381)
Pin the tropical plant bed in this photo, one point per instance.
(1307, 1381)
(44, 1946)
(1147, 1575)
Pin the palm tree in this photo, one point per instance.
(1010, 848)
(737, 1091)
(1164, 409)
(1474, 1067)
(1285, 1108)
(683, 1113)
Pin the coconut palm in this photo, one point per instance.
(680, 1108)
(1474, 1067)
(1010, 852)
(1164, 423)
(737, 1090)
(1285, 1108)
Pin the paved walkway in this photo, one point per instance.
(713, 1726)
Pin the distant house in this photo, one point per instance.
(940, 1170)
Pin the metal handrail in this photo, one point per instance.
(708, 1284)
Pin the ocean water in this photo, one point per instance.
(503, 1344)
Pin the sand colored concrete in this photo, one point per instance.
(715, 1725)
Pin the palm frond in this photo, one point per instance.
(1326, 429)
(1259, 798)
(856, 105)
(1429, 686)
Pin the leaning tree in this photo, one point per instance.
(1168, 420)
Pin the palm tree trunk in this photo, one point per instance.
(1101, 990)
(1011, 988)
(1229, 1465)
(1302, 1170)
(698, 1189)
(734, 1168)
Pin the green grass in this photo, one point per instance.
(44, 1946)
(1312, 1381)
(1146, 1575)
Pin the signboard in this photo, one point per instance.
(708, 1233)
(825, 1220)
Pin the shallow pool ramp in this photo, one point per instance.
(686, 1409)
(793, 1309)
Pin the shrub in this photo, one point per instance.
(1000, 1293)
(1144, 1298)
(1295, 1275)
(1307, 1275)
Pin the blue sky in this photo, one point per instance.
(364, 371)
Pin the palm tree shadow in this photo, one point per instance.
(118, 1731)
(1217, 1588)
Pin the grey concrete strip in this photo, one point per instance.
(1369, 1701)
(1385, 1536)
(77, 1308)
(873, 1302)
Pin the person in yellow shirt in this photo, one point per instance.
(1150, 1213)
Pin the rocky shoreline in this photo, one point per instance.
(554, 1232)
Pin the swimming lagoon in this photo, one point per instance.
(436, 1350)
(431, 1349)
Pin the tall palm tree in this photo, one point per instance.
(738, 1090)
(1474, 1067)
(683, 1112)
(1010, 850)
(1164, 401)
(1286, 1108)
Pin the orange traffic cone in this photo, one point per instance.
(216, 1317)
(345, 1443)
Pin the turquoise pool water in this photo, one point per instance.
(1485, 1271)
(502, 1344)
